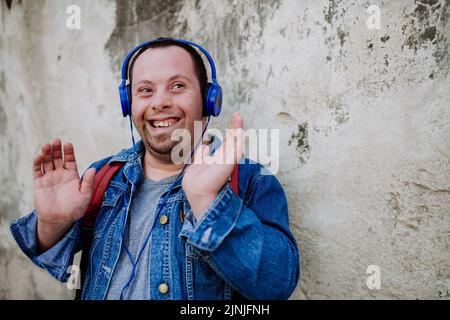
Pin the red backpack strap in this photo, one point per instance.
(235, 179)
(101, 183)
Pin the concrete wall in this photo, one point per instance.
(363, 117)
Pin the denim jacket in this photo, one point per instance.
(241, 248)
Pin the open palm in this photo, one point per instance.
(60, 197)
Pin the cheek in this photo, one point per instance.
(192, 109)
(137, 110)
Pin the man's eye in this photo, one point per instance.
(178, 85)
(145, 90)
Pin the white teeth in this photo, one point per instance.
(163, 124)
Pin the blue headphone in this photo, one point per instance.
(213, 93)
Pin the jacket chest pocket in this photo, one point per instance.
(113, 193)
(111, 204)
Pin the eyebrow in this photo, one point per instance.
(179, 75)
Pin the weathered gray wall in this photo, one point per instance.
(363, 116)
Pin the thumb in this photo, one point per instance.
(201, 154)
(87, 184)
(205, 152)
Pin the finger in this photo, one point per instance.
(202, 155)
(37, 167)
(205, 151)
(198, 155)
(69, 157)
(57, 154)
(237, 121)
(230, 151)
(233, 146)
(230, 147)
(207, 159)
(220, 153)
(240, 140)
(47, 164)
(87, 184)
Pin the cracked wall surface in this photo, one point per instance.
(363, 117)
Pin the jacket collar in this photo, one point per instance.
(130, 153)
(132, 158)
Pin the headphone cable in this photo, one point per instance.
(135, 264)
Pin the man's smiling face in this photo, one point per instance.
(166, 95)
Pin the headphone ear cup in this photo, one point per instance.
(125, 99)
(213, 100)
(205, 99)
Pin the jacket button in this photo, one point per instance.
(163, 288)
(163, 219)
(182, 215)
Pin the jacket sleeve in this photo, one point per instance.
(55, 260)
(249, 245)
(58, 258)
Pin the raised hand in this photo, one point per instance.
(60, 197)
(204, 178)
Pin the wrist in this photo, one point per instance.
(199, 203)
(49, 233)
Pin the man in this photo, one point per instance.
(202, 241)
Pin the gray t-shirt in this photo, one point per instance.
(140, 220)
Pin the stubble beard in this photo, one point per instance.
(162, 150)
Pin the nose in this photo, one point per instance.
(161, 100)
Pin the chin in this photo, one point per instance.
(163, 148)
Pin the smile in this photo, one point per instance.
(162, 123)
